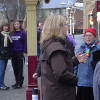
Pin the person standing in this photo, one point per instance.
(39, 30)
(5, 42)
(57, 78)
(18, 48)
(96, 76)
(85, 70)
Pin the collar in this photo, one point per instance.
(91, 45)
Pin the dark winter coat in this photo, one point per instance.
(4, 51)
(96, 82)
(96, 76)
(57, 78)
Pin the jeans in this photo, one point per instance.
(3, 64)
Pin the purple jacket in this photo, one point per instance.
(19, 44)
(71, 38)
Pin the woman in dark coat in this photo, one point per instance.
(57, 78)
(5, 42)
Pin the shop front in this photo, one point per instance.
(94, 17)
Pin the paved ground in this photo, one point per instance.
(13, 94)
(20, 94)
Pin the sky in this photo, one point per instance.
(59, 4)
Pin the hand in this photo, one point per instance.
(25, 54)
(81, 57)
(35, 75)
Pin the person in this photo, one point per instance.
(57, 78)
(72, 39)
(18, 48)
(71, 43)
(96, 76)
(39, 30)
(5, 42)
(85, 70)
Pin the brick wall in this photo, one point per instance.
(79, 19)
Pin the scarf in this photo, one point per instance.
(6, 37)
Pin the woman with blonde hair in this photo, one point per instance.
(57, 78)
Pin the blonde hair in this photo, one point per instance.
(53, 27)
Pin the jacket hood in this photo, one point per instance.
(47, 42)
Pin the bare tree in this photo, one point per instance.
(14, 9)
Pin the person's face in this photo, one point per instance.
(5, 28)
(17, 25)
(65, 28)
(89, 37)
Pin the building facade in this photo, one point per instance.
(91, 8)
(55, 7)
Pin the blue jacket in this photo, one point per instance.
(85, 70)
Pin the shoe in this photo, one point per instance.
(16, 86)
(4, 87)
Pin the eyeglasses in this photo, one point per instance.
(88, 35)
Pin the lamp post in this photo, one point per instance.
(66, 13)
(68, 19)
(72, 19)
(73, 24)
(69, 16)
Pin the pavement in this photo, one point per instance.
(14, 94)
(20, 94)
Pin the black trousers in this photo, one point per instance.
(18, 61)
(84, 93)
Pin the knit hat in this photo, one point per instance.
(92, 30)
